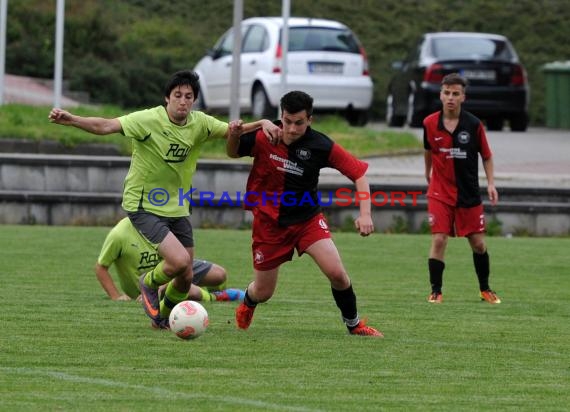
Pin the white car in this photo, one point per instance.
(325, 60)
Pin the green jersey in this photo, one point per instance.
(131, 254)
(164, 159)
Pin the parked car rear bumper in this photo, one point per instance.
(481, 101)
(332, 92)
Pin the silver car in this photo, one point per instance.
(325, 60)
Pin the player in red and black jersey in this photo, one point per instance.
(453, 141)
(283, 197)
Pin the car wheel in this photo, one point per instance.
(357, 118)
(392, 119)
(519, 122)
(495, 123)
(260, 106)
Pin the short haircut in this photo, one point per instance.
(297, 101)
(183, 78)
(454, 78)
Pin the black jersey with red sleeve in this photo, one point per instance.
(455, 159)
(283, 181)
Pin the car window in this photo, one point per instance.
(256, 40)
(225, 44)
(468, 48)
(322, 39)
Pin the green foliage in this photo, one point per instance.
(494, 227)
(65, 346)
(399, 225)
(28, 49)
(347, 225)
(425, 228)
(143, 42)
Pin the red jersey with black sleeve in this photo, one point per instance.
(283, 181)
(455, 159)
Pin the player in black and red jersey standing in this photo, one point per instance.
(453, 141)
(283, 197)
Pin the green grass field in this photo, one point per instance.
(65, 346)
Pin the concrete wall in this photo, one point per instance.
(67, 189)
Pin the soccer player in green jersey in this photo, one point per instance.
(131, 255)
(166, 145)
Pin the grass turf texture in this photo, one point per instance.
(65, 346)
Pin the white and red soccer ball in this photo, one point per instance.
(188, 319)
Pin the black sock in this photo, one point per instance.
(346, 302)
(248, 301)
(482, 268)
(436, 274)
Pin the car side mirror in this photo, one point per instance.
(214, 53)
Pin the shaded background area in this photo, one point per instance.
(122, 52)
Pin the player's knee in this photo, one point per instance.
(339, 279)
(479, 247)
(219, 273)
(179, 264)
(439, 243)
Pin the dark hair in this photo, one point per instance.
(183, 78)
(297, 101)
(454, 78)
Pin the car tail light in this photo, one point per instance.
(518, 77)
(278, 58)
(365, 70)
(434, 74)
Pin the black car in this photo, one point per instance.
(497, 83)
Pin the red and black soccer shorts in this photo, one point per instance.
(455, 221)
(274, 245)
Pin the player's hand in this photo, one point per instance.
(123, 298)
(273, 132)
(236, 128)
(364, 225)
(60, 116)
(493, 194)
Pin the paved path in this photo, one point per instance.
(28, 90)
(539, 157)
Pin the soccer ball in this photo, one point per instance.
(188, 319)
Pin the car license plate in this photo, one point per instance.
(325, 68)
(489, 75)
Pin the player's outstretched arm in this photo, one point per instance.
(95, 125)
(236, 128)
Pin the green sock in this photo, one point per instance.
(172, 297)
(156, 277)
(206, 296)
(219, 287)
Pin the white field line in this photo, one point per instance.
(230, 400)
